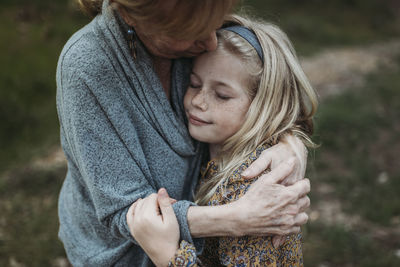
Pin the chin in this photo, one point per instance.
(198, 137)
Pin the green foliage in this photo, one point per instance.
(312, 24)
(359, 131)
(34, 35)
(336, 246)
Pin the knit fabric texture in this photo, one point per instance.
(123, 140)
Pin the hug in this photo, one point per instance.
(163, 106)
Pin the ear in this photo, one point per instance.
(125, 16)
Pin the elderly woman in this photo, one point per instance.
(120, 86)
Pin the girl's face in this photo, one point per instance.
(216, 101)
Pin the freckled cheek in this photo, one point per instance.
(233, 116)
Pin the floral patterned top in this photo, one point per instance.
(238, 251)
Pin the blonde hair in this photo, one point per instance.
(189, 19)
(283, 101)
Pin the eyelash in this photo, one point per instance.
(223, 97)
(194, 86)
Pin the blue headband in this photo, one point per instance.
(249, 36)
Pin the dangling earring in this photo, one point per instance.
(132, 42)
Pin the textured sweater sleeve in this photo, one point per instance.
(108, 169)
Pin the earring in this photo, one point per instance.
(132, 42)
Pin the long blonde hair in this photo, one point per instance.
(283, 101)
(188, 19)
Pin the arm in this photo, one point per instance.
(153, 223)
(254, 250)
(111, 165)
(267, 208)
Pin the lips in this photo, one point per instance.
(197, 121)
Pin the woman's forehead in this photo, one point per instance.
(188, 19)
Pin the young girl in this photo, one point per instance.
(243, 98)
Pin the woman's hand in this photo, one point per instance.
(289, 148)
(270, 208)
(152, 222)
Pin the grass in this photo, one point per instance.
(28, 221)
(359, 135)
(315, 24)
(359, 131)
(34, 38)
(337, 246)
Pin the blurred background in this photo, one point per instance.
(350, 49)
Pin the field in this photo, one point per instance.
(349, 48)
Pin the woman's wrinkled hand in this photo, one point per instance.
(290, 148)
(153, 224)
(271, 208)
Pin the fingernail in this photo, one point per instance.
(246, 172)
(163, 192)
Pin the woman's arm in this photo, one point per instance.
(112, 170)
(252, 250)
(266, 209)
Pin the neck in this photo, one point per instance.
(214, 150)
(162, 67)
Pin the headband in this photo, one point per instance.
(249, 36)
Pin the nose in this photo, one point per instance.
(199, 101)
(208, 44)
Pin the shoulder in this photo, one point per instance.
(236, 186)
(236, 175)
(81, 53)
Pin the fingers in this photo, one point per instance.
(131, 209)
(131, 212)
(303, 203)
(258, 166)
(172, 200)
(278, 240)
(139, 206)
(300, 188)
(279, 173)
(300, 206)
(300, 219)
(299, 149)
(165, 204)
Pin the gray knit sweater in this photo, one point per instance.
(123, 140)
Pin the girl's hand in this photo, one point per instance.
(152, 222)
(289, 148)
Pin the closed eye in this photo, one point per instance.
(223, 97)
(195, 86)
